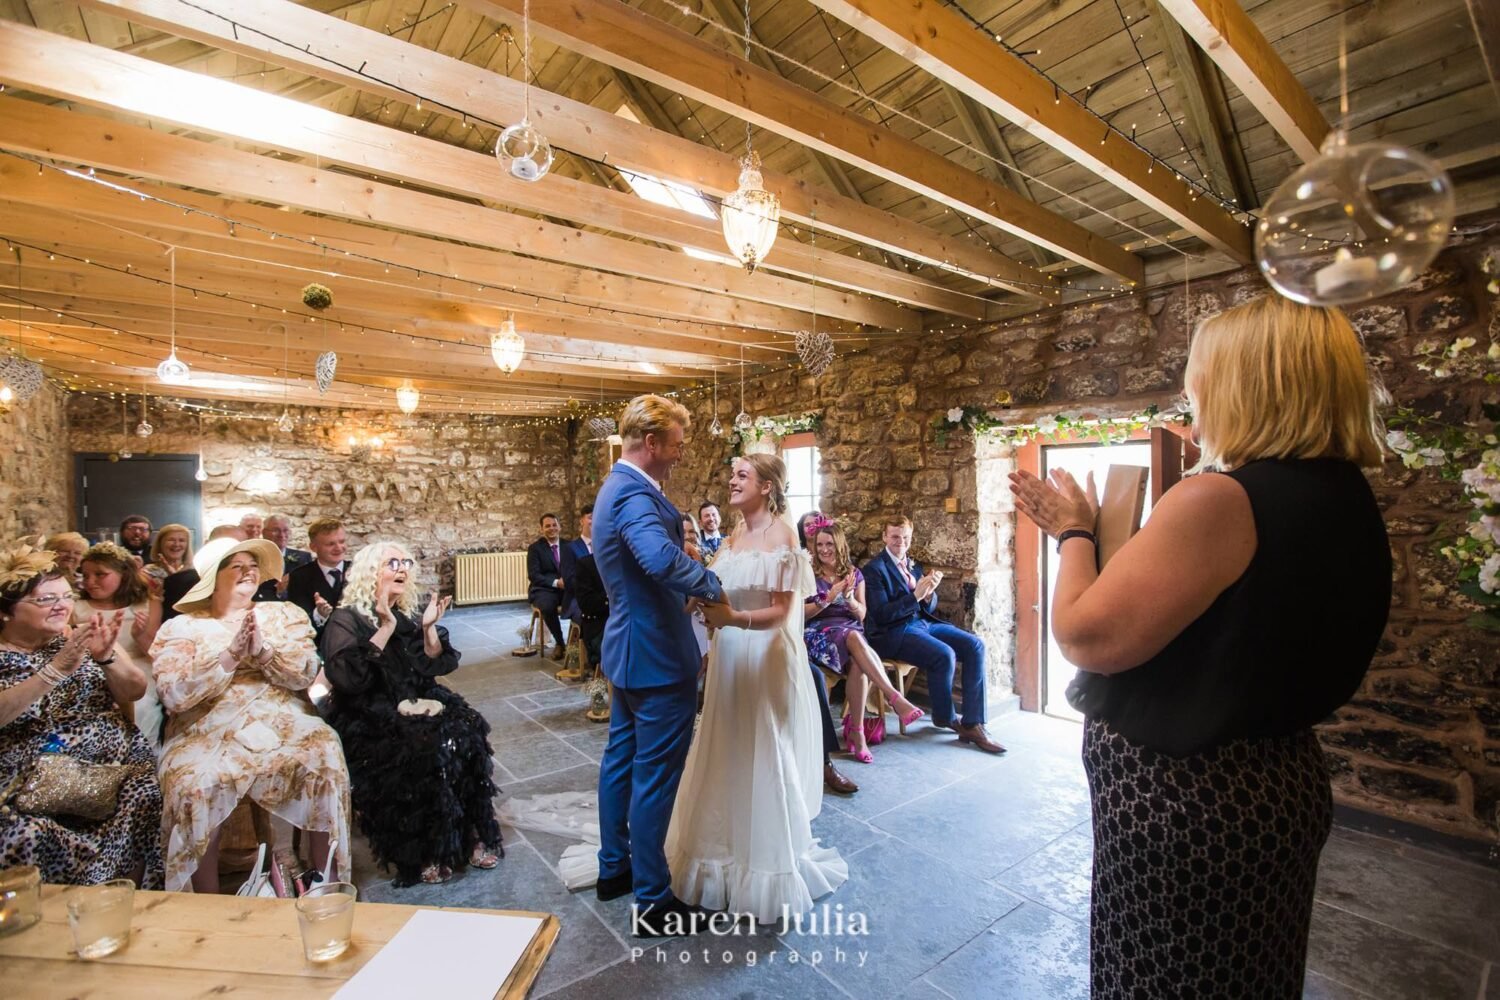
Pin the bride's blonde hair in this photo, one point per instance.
(770, 469)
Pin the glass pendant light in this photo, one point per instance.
(407, 397)
(172, 370)
(523, 151)
(716, 428)
(751, 213)
(508, 347)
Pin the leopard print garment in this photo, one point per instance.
(82, 714)
(1204, 866)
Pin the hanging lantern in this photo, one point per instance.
(524, 152)
(328, 363)
(1358, 222)
(200, 475)
(815, 348)
(286, 423)
(125, 451)
(750, 215)
(143, 429)
(743, 422)
(407, 397)
(508, 347)
(601, 428)
(716, 428)
(172, 370)
(21, 378)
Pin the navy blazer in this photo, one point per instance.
(890, 604)
(572, 552)
(542, 569)
(648, 640)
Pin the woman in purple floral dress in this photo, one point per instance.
(835, 636)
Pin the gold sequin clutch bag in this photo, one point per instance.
(60, 785)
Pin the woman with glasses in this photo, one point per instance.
(62, 692)
(419, 756)
(231, 674)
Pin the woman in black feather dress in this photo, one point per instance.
(419, 757)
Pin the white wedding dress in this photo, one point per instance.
(740, 837)
(741, 832)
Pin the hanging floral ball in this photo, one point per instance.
(316, 296)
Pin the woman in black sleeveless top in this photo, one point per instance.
(1244, 612)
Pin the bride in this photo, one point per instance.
(741, 838)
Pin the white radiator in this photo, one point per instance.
(485, 577)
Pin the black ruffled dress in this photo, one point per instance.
(422, 789)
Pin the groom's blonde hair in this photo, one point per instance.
(651, 414)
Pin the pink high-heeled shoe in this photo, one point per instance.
(863, 756)
(915, 714)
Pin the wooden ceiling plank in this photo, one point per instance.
(984, 134)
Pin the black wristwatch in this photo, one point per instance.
(1076, 533)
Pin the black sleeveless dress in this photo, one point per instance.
(1211, 798)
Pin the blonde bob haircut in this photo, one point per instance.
(651, 414)
(1275, 379)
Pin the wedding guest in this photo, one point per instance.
(111, 582)
(135, 536)
(834, 780)
(1245, 611)
(835, 635)
(690, 546)
(252, 524)
(179, 583)
(709, 538)
(419, 757)
(593, 604)
(544, 569)
(901, 624)
(63, 694)
(802, 522)
(571, 553)
(171, 550)
(317, 585)
(231, 674)
(68, 547)
(278, 530)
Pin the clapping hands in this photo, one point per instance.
(103, 630)
(435, 610)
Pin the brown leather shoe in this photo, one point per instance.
(836, 782)
(977, 736)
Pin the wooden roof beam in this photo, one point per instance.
(1230, 38)
(979, 125)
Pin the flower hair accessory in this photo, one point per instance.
(817, 524)
(20, 566)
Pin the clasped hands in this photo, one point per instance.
(249, 642)
(716, 614)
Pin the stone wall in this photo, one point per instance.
(36, 466)
(441, 483)
(1422, 739)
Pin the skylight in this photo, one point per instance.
(671, 194)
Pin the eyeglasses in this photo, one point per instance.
(396, 565)
(48, 600)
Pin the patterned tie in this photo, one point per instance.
(911, 584)
(556, 559)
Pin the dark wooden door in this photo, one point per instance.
(161, 487)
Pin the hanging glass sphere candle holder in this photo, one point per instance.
(524, 152)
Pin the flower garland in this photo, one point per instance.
(1107, 430)
(778, 427)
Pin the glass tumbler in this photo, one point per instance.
(100, 917)
(326, 914)
(20, 898)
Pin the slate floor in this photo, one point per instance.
(972, 873)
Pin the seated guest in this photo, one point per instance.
(571, 553)
(419, 756)
(1245, 611)
(231, 674)
(135, 536)
(278, 530)
(544, 569)
(709, 538)
(111, 582)
(901, 624)
(171, 551)
(68, 548)
(179, 583)
(64, 693)
(835, 635)
(833, 779)
(593, 604)
(802, 523)
(317, 585)
(252, 524)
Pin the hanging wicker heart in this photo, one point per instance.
(815, 348)
(328, 363)
(23, 376)
(601, 427)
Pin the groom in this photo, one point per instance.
(651, 659)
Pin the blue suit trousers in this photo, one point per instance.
(937, 649)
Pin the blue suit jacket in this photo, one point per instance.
(891, 606)
(571, 553)
(648, 640)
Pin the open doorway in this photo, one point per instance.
(1078, 460)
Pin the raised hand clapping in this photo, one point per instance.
(104, 629)
(435, 610)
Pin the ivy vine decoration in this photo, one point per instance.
(316, 296)
(778, 427)
(977, 420)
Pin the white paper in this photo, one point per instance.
(444, 953)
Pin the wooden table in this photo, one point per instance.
(184, 945)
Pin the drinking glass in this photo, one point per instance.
(20, 898)
(100, 917)
(326, 913)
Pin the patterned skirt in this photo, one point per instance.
(1204, 866)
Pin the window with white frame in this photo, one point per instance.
(804, 481)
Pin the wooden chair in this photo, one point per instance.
(576, 659)
(536, 636)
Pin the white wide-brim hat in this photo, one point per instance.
(207, 560)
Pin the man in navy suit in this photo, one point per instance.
(544, 570)
(899, 623)
(278, 529)
(571, 553)
(651, 659)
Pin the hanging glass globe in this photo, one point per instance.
(286, 423)
(750, 216)
(172, 370)
(716, 428)
(508, 347)
(200, 475)
(143, 429)
(524, 152)
(125, 451)
(407, 397)
(743, 421)
(1358, 222)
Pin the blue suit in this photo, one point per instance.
(651, 658)
(571, 553)
(900, 627)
